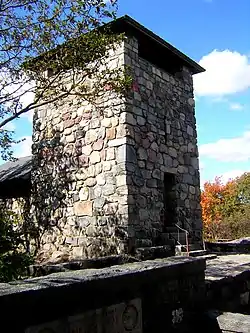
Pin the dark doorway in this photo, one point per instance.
(169, 197)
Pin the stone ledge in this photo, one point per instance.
(227, 247)
(45, 299)
(234, 322)
(77, 264)
(227, 281)
(149, 253)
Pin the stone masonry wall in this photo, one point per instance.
(79, 183)
(153, 296)
(98, 175)
(162, 139)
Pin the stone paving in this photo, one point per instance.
(234, 322)
(226, 266)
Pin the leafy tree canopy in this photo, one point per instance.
(64, 38)
(226, 207)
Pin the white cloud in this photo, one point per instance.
(24, 147)
(28, 115)
(21, 88)
(225, 177)
(227, 72)
(236, 106)
(228, 150)
(10, 127)
(219, 99)
(232, 174)
(201, 165)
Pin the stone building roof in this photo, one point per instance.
(15, 178)
(152, 47)
(155, 48)
(20, 168)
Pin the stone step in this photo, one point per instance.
(201, 253)
(164, 235)
(195, 247)
(194, 250)
(143, 242)
(191, 247)
(163, 239)
(181, 237)
(209, 256)
(171, 229)
(197, 253)
(147, 253)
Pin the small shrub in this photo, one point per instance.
(14, 259)
(236, 225)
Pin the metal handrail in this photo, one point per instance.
(186, 233)
(181, 228)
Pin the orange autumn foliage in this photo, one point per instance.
(217, 201)
(211, 198)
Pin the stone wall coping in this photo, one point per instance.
(173, 266)
(42, 299)
(225, 267)
(128, 24)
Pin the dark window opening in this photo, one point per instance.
(169, 197)
(155, 56)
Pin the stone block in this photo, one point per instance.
(117, 142)
(190, 130)
(121, 153)
(141, 121)
(99, 203)
(94, 123)
(130, 154)
(121, 180)
(107, 166)
(152, 156)
(84, 221)
(90, 182)
(142, 153)
(172, 152)
(95, 157)
(156, 174)
(100, 179)
(78, 252)
(122, 130)
(110, 208)
(70, 138)
(98, 145)
(111, 133)
(72, 241)
(106, 122)
(91, 136)
(115, 121)
(82, 208)
(143, 214)
(108, 189)
(68, 123)
(152, 183)
(110, 154)
(87, 150)
(84, 194)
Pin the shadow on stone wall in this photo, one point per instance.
(61, 232)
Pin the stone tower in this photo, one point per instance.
(121, 179)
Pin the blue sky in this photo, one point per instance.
(216, 34)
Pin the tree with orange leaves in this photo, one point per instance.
(218, 201)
